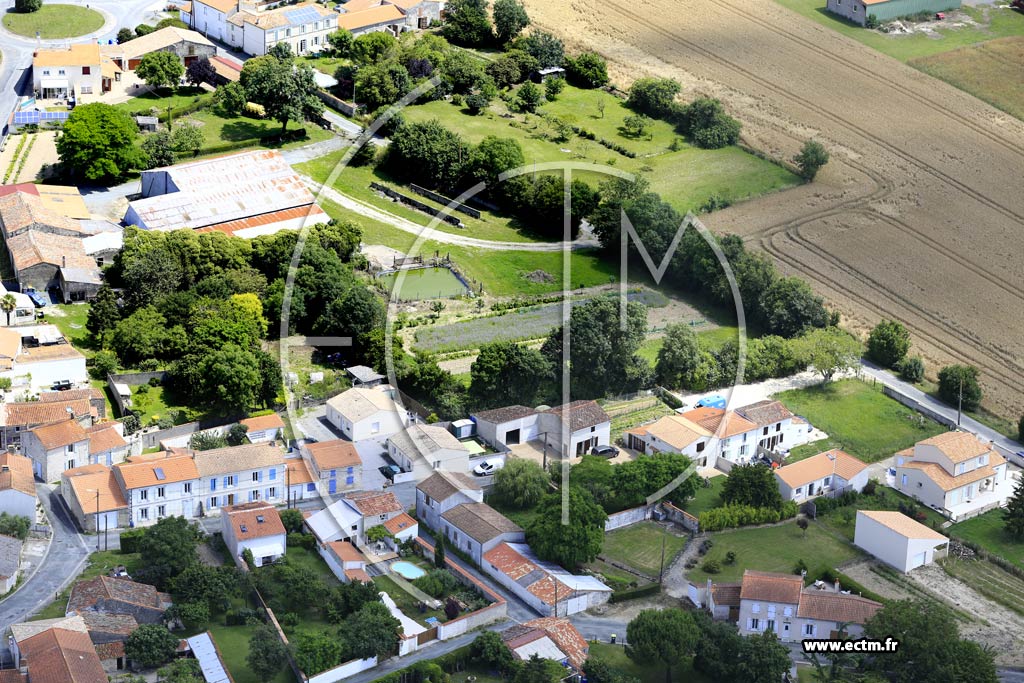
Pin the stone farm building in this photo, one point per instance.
(187, 45)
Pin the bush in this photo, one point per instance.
(730, 558)
(731, 516)
(27, 6)
(824, 505)
(241, 617)
(588, 70)
(870, 487)
(300, 540)
(130, 540)
(958, 382)
(911, 369)
(800, 567)
(5, 383)
(437, 583)
(14, 525)
(253, 110)
(711, 567)
(704, 120)
(636, 593)
(654, 96)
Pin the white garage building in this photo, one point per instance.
(898, 540)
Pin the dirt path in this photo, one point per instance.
(1004, 630)
(921, 192)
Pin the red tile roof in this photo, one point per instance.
(346, 552)
(568, 639)
(32, 413)
(61, 656)
(336, 454)
(16, 473)
(60, 434)
(254, 520)
(263, 422)
(87, 593)
(771, 587)
(400, 523)
(829, 606)
(374, 503)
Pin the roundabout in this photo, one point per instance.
(54, 22)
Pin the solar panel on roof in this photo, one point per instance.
(303, 15)
(159, 472)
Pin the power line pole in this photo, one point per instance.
(960, 401)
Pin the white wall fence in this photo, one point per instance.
(618, 520)
(343, 671)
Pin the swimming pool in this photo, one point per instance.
(407, 570)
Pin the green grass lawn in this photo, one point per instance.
(502, 273)
(233, 643)
(163, 98)
(706, 498)
(160, 401)
(99, 563)
(639, 546)
(685, 177)
(987, 531)
(54, 21)
(775, 549)
(354, 181)
(218, 130)
(303, 557)
(858, 418)
(615, 656)
(327, 65)
(70, 320)
(993, 23)
(407, 602)
(520, 517)
(710, 339)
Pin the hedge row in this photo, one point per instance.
(731, 516)
(846, 583)
(642, 592)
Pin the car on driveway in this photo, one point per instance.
(389, 471)
(488, 467)
(604, 451)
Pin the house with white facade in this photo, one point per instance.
(71, 72)
(301, 482)
(157, 486)
(955, 473)
(441, 491)
(255, 527)
(240, 474)
(898, 540)
(833, 471)
(353, 515)
(551, 638)
(335, 465)
(95, 498)
(779, 428)
(401, 529)
(263, 429)
(106, 443)
(476, 528)
(673, 434)
(17, 486)
(572, 429)
(256, 27)
(56, 447)
(423, 449)
(779, 603)
(18, 417)
(547, 588)
(364, 413)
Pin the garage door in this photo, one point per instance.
(918, 560)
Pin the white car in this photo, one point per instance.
(488, 467)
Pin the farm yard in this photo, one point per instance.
(880, 232)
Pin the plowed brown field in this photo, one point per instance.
(920, 215)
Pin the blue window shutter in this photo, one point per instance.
(273, 474)
(334, 473)
(350, 480)
(311, 487)
(213, 484)
(226, 482)
(259, 476)
(350, 470)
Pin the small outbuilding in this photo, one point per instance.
(898, 540)
(858, 11)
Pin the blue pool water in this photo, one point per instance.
(407, 570)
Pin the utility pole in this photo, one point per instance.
(97, 520)
(960, 401)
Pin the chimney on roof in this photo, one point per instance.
(63, 261)
(837, 585)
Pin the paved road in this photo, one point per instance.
(967, 423)
(65, 559)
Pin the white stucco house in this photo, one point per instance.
(256, 527)
(156, 487)
(56, 447)
(476, 528)
(423, 449)
(779, 603)
(571, 429)
(828, 472)
(264, 428)
(898, 540)
(256, 27)
(441, 491)
(363, 413)
(352, 516)
(335, 465)
(954, 473)
(17, 486)
(95, 498)
(547, 588)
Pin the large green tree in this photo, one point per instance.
(789, 307)
(285, 89)
(381, 85)
(97, 142)
(664, 636)
(267, 654)
(371, 632)
(888, 343)
(572, 544)
(374, 47)
(930, 646)
(317, 651)
(520, 483)
(654, 96)
(160, 69)
(830, 350)
(151, 645)
(811, 158)
(603, 357)
(429, 153)
(510, 18)
(506, 373)
(752, 485)
(467, 23)
(168, 548)
(1013, 513)
(678, 356)
(958, 385)
(587, 69)
(104, 313)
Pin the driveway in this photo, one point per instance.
(65, 559)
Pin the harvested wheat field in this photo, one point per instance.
(919, 216)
